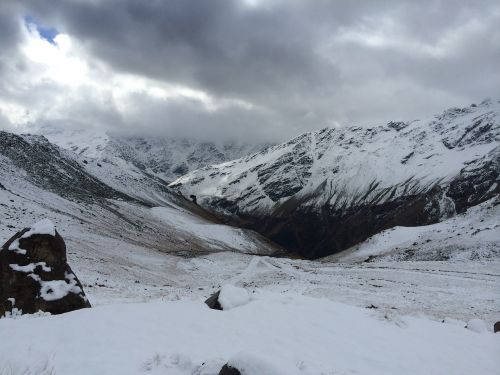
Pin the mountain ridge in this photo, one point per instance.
(164, 157)
(335, 187)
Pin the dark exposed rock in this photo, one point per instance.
(48, 168)
(397, 125)
(496, 327)
(228, 370)
(180, 170)
(477, 182)
(213, 301)
(407, 157)
(35, 276)
(370, 259)
(317, 233)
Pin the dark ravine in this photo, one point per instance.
(313, 233)
(318, 233)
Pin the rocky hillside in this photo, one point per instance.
(328, 190)
(91, 199)
(165, 158)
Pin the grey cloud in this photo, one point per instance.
(283, 57)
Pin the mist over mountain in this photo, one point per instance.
(164, 157)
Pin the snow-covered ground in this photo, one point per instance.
(304, 317)
(272, 334)
(217, 235)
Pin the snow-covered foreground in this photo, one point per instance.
(305, 317)
(272, 334)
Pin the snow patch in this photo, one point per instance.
(218, 236)
(249, 364)
(231, 296)
(30, 267)
(455, 322)
(44, 226)
(477, 325)
(56, 289)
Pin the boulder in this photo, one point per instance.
(496, 327)
(35, 275)
(228, 297)
(228, 370)
(213, 301)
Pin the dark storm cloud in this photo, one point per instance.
(9, 28)
(301, 64)
(221, 46)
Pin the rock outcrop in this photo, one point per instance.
(228, 370)
(35, 275)
(213, 301)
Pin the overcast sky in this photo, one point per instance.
(262, 70)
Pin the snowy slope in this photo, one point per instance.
(368, 178)
(98, 199)
(472, 235)
(166, 158)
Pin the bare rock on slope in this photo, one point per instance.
(35, 275)
(213, 301)
(228, 370)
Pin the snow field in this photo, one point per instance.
(273, 334)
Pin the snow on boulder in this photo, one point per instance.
(35, 275)
(228, 297)
(477, 325)
(231, 296)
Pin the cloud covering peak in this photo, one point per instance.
(255, 69)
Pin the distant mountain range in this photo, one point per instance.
(326, 191)
(164, 157)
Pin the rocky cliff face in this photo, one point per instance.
(325, 191)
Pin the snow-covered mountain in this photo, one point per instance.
(325, 191)
(99, 201)
(164, 157)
